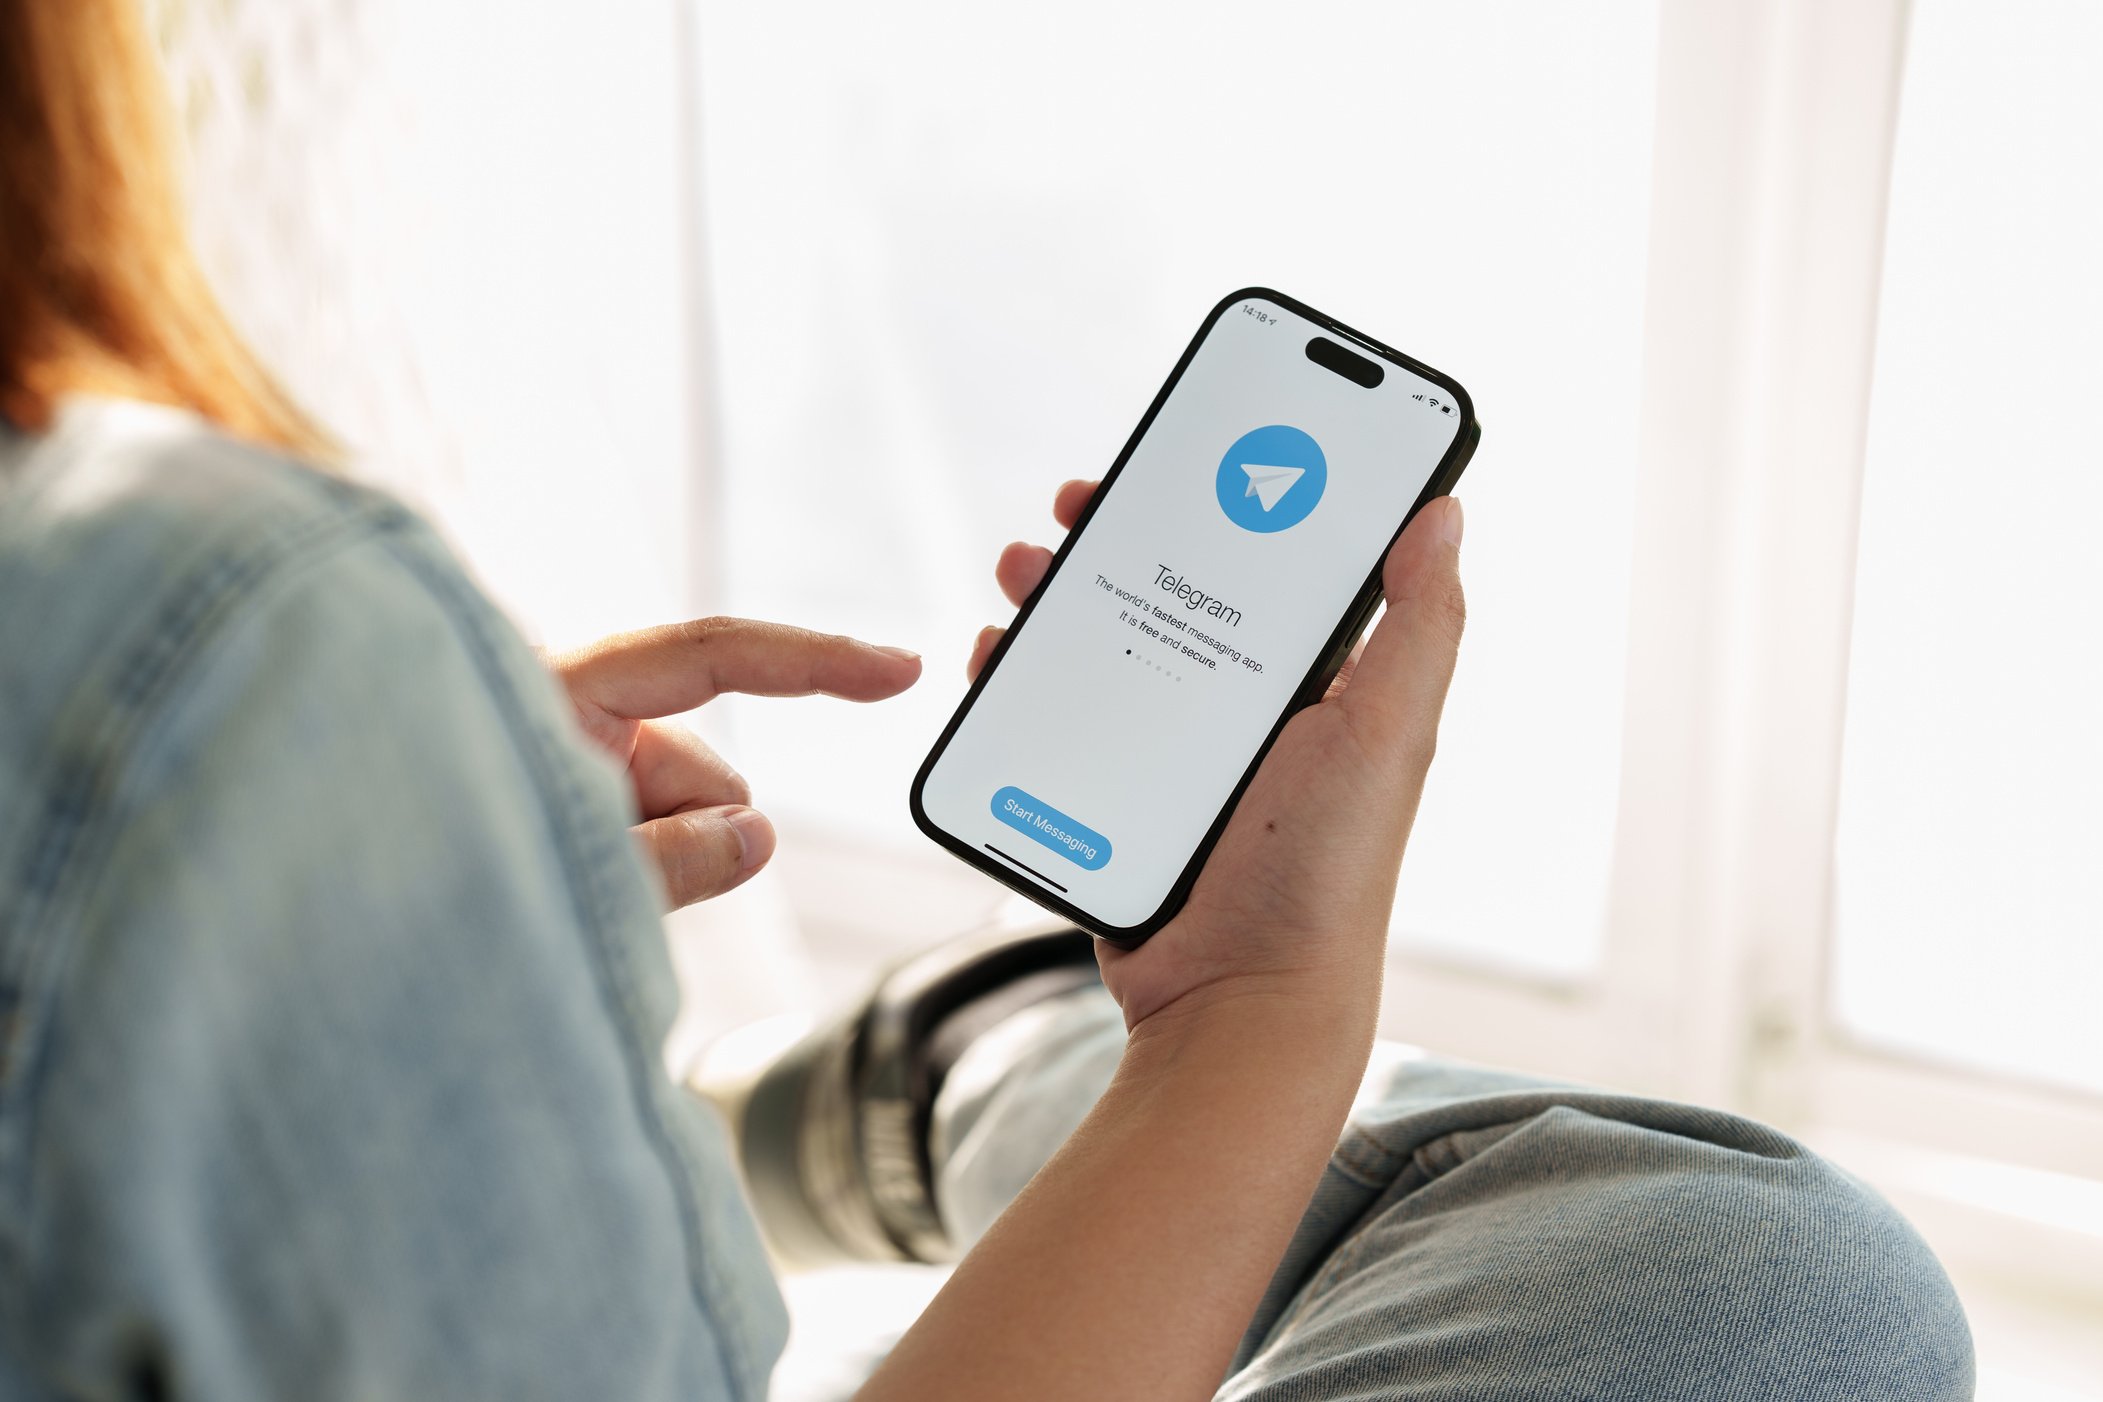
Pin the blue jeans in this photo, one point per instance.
(1479, 1235)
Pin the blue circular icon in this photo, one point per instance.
(1272, 478)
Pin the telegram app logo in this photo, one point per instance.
(1268, 482)
(1272, 478)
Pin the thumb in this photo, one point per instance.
(707, 851)
(1399, 686)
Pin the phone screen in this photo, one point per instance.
(1186, 613)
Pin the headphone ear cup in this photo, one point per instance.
(833, 1127)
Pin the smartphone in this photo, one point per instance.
(1220, 576)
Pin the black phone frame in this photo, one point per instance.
(1341, 640)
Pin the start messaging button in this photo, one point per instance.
(1083, 846)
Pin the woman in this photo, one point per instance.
(334, 990)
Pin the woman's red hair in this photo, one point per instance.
(100, 292)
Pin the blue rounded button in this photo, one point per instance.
(1083, 846)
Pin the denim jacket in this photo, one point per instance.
(332, 990)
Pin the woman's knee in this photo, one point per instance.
(1616, 1248)
(1718, 1251)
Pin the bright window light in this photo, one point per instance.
(1970, 885)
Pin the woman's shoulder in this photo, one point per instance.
(123, 520)
(137, 543)
(133, 493)
(189, 622)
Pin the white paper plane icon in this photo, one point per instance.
(1270, 484)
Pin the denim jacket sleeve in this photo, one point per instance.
(334, 992)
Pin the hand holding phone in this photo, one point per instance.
(1208, 593)
(1296, 895)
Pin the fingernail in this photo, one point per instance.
(755, 837)
(1451, 523)
(903, 654)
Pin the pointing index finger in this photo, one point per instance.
(666, 670)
